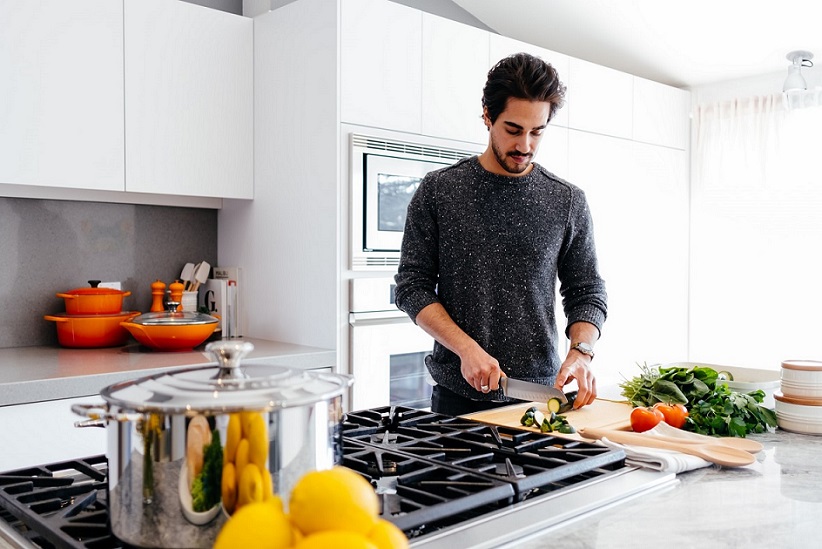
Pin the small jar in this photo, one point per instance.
(189, 302)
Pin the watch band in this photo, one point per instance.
(583, 348)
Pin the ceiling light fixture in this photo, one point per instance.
(795, 81)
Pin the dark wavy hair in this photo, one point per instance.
(522, 76)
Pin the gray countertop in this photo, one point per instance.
(34, 374)
(775, 502)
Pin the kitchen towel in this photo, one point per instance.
(668, 461)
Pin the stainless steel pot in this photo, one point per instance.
(156, 427)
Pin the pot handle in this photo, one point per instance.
(56, 318)
(67, 296)
(100, 416)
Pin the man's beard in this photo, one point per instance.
(507, 164)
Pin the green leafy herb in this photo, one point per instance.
(713, 410)
(205, 490)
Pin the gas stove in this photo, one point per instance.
(436, 476)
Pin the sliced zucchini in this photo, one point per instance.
(567, 429)
(546, 426)
(538, 418)
(554, 405)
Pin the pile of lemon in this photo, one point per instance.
(245, 462)
(335, 508)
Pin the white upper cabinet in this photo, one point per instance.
(454, 68)
(189, 100)
(661, 114)
(381, 65)
(502, 46)
(600, 99)
(61, 93)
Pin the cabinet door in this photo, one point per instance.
(44, 432)
(502, 46)
(661, 114)
(454, 69)
(61, 93)
(600, 99)
(189, 100)
(381, 65)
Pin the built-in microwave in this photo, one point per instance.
(384, 175)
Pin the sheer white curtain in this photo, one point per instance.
(756, 231)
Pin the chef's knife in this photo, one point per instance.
(533, 392)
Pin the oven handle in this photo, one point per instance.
(371, 318)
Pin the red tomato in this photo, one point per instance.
(674, 414)
(643, 419)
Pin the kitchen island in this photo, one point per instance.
(775, 502)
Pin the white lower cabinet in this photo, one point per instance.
(44, 432)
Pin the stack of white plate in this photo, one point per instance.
(799, 406)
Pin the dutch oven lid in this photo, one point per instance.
(226, 387)
(94, 290)
(173, 317)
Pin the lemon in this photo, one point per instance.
(338, 539)
(234, 433)
(228, 487)
(245, 419)
(241, 457)
(250, 488)
(333, 499)
(257, 441)
(386, 535)
(268, 485)
(256, 526)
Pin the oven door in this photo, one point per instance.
(390, 182)
(388, 361)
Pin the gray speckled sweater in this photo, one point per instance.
(490, 248)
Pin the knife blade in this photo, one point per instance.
(525, 390)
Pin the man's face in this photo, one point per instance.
(514, 138)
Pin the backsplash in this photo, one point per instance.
(51, 246)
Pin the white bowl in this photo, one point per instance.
(802, 390)
(801, 426)
(802, 371)
(804, 409)
(185, 502)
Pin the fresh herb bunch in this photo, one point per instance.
(713, 409)
(205, 490)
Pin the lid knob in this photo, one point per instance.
(228, 354)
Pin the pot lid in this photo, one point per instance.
(94, 290)
(173, 317)
(226, 387)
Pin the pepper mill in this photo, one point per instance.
(176, 289)
(158, 290)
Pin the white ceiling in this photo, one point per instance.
(683, 44)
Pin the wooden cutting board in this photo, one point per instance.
(602, 413)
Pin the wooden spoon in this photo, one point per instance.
(715, 453)
(747, 445)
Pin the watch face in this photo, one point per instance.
(583, 346)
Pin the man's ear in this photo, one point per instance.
(485, 119)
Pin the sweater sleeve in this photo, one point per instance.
(418, 269)
(583, 291)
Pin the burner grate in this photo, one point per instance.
(61, 505)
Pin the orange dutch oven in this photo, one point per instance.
(94, 300)
(91, 330)
(171, 330)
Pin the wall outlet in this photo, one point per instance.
(114, 285)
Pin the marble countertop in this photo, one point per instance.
(35, 374)
(775, 502)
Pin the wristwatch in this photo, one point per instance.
(583, 348)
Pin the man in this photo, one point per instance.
(485, 242)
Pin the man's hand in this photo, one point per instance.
(577, 365)
(480, 370)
